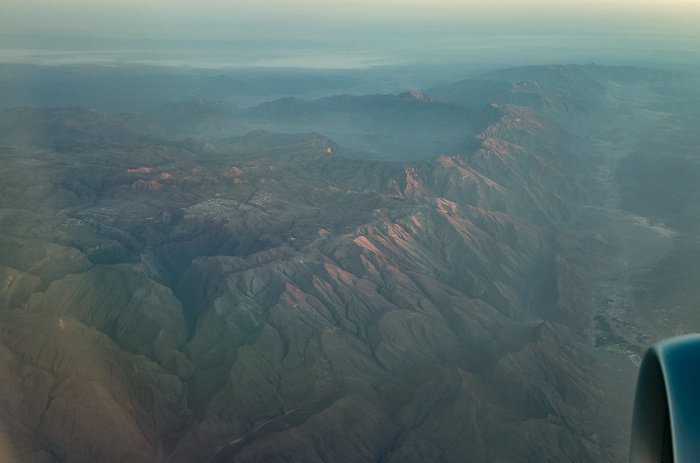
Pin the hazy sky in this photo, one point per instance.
(362, 24)
(178, 17)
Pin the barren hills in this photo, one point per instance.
(295, 282)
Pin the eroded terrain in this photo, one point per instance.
(284, 297)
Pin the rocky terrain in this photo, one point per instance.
(294, 282)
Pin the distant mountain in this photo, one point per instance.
(564, 92)
(200, 119)
(471, 92)
(643, 76)
(290, 110)
(40, 127)
(142, 88)
(391, 127)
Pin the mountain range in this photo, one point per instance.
(457, 273)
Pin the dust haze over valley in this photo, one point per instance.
(405, 247)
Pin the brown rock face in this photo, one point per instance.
(266, 298)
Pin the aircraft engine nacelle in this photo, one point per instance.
(666, 420)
